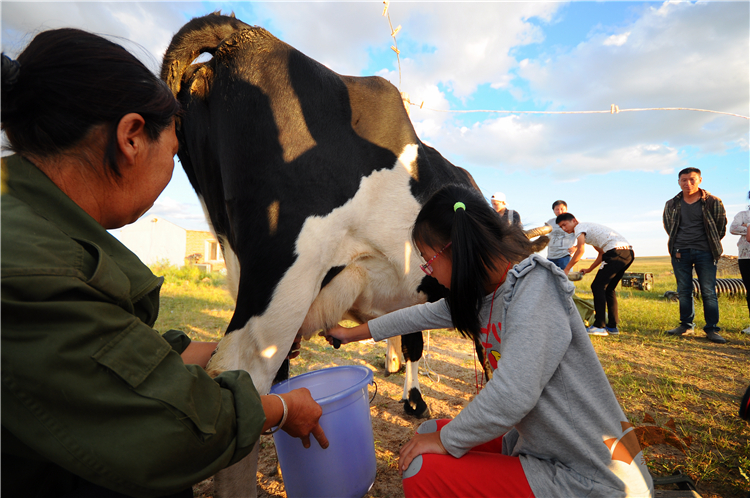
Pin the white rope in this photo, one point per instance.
(426, 363)
(394, 47)
(614, 109)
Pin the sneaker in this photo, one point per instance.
(714, 337)
(681, 330)
(613, 331)
(597, 331)
(746, 331)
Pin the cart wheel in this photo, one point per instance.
(647, 286)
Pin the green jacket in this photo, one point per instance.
(89, 390)
(714, 221)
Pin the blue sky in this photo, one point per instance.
(613, 169)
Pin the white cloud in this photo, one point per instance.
(138, 26)
(617, 40)
(679, 55)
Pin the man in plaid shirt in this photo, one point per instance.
(695, 222)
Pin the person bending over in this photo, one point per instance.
(615, 254)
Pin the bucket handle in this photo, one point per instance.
(376, 391)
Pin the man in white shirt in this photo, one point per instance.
(615, 254)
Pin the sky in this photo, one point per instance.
(616, 169)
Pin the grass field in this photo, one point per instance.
(682, 393)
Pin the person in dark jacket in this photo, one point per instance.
(695, 222)
(95, 402)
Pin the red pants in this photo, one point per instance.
(482, 472)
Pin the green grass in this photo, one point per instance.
(694, 383)
(193, 301)
(659, 380)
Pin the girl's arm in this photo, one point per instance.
(347, 334)
(426, 316)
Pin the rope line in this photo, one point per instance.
(614, 109)
(426, 363)
(394, 47)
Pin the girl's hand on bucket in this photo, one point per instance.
(302, 419)
(418, 445)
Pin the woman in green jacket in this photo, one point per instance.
(94, 401)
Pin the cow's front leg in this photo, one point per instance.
(239, 480)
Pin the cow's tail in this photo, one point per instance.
(202, 34)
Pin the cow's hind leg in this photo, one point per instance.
(393, 356)
(414, 405)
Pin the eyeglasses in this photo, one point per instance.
(427, 267)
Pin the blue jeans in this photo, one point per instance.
(561, 262)
(705, 268)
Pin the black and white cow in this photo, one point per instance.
(311, 180)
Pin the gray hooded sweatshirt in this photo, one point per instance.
(548, 393)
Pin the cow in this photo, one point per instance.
(311, 182)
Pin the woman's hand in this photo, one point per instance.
(347, 335)
(303, 415)
(418, 445)
(198, 353)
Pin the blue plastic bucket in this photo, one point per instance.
(347, 467)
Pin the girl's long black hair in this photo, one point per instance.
(479, 238)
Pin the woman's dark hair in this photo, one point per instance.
(478, 237)
(68, 81)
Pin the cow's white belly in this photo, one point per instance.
(370, 236)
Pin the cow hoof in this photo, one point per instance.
(415, 405)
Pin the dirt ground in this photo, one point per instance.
(446, 394)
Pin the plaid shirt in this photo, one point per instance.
(714, 221)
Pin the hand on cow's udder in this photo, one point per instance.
(302, 419)
(345, 335)
(332, 339)
(295, 349)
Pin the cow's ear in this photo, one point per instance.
(131, 132)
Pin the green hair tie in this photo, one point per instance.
(459, 205)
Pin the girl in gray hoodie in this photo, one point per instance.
(547, 423)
